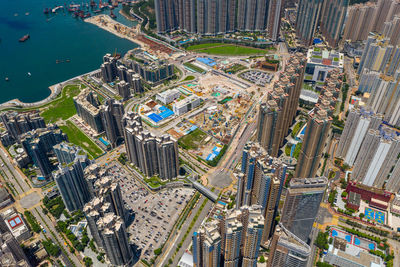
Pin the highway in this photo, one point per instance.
(13, 175)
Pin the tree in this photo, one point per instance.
(262, 259)
(88, 261)
(157, 251)
(362, 215)
(344, 194)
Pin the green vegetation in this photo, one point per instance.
(189, 78)
(233, 202)
(345, 89)
(235, 68)
(194, 67)
(297, 150)
(215, 161)
(145, 9)
(288, 149)
(227, 49)
(332, 196)
(157, 251)
(203, 46)
(262, 259)
(51, 248)
(192, 140)
(322, 240)
(62, 108)
(323, 264)
(88, 261)
(32, 221)
(122, 158)
(55, 206)
(154, 181)
(62, 226)
(77, 137)
(297, 128)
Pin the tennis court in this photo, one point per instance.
(374, 215)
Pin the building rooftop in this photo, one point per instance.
(324, 57)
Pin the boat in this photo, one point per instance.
(112, 14)
(24, 38)
(7, 79)
(29, 74)
(67, 60)
(27, 14)
(46, 10)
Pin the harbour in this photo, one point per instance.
(59, 46)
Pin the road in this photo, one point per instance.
(14, 176)
(170, 248)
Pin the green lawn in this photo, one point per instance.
(192, 140)
(194, 67)
(189, 78)
(202, 46)
(62, 108)
(297, 150)
(77, 137)
(226, 49)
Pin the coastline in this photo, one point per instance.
(55, 91)
(125, 15)
(105, 22)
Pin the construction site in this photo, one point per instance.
(133, 34)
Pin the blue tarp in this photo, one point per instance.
(206, 60)
(155, 117)
(317, 41)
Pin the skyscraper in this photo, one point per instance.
(150, 154)
(287, 250)
(67, 153)
(275, 10)
(260, 183)
(377, 156)
(233, 241)
(113, 233)
(303, 198)
(251, 15)
(187, 15)
(109, 69)
(318, 127)
(87, 107)
(168, 158)
(123, 90)
(38, 144)
(11, 253)
(111, 114)
(166, 15)
(359, 22)
(269, 130)
(17, 124)
(207, 246)
(358, 122)
(111, 193)
(333, 16)
(308, 13)
(277, 114)
(71, 183)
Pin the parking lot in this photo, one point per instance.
(155, 214)
(258, 77)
